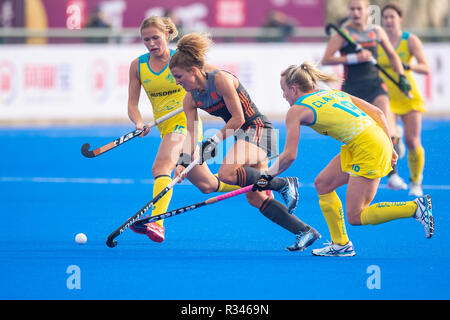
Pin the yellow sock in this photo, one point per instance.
(387, 211)
(224, 187)
(416, 161)
(161, 206)
(332, 210)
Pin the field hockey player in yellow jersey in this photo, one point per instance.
(366, 156)
(151, 71)
(408, 46)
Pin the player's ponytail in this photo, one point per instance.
(191, 51)
(306, 76)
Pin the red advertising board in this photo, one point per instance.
(192, 13)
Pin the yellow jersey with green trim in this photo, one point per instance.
(399, 102)
(335, 115)
(161, 88)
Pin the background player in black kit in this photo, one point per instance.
(362, 78)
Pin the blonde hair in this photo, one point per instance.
(305, 76)
(367, 2)
(191, 51)
(163, 24)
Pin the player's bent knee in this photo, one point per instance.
(412, 143)
(321, 186)
(227, 175)
(354, 218)
(207, 188)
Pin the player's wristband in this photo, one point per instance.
(352, 58)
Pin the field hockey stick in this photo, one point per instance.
(194, 206)
(198, 205)
(110, 242)
(127, 137)
(358, 48)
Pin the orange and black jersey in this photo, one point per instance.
(369, 40)
(214, 104)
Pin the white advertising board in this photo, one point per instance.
(73, 83)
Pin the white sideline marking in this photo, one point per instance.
(80, 180)
(148, 181)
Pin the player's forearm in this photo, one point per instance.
(134, 114)
(421, 68)
(281, 164)
(396, 63)
(333, 60)
(231, 127)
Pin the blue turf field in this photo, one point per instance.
(50, 192)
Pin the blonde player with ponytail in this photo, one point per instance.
(151, 71)
(366, 156)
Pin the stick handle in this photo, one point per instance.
(194, 206)
(155, 122)
(126, 137)
(229, 194)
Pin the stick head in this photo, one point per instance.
(86, 152)
(111, 243)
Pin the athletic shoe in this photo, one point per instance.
(304, 240)
(289, 193)
(396, 183)
(154, 231)
(401, 145)
(415, 190)
(335, 250)
(424, 215)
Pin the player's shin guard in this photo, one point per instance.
(278, 213)
(161, 206)
(416, 161)
(387, 211)
(332, 210)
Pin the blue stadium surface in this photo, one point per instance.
(50, 192)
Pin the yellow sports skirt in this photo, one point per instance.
(368, 155)
(177, 124)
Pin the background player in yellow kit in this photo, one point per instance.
(366, 156)
(408, 46)
(151, 71)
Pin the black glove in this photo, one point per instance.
(184, 160)
(208, 149)
(263, 183)
(404, 84)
